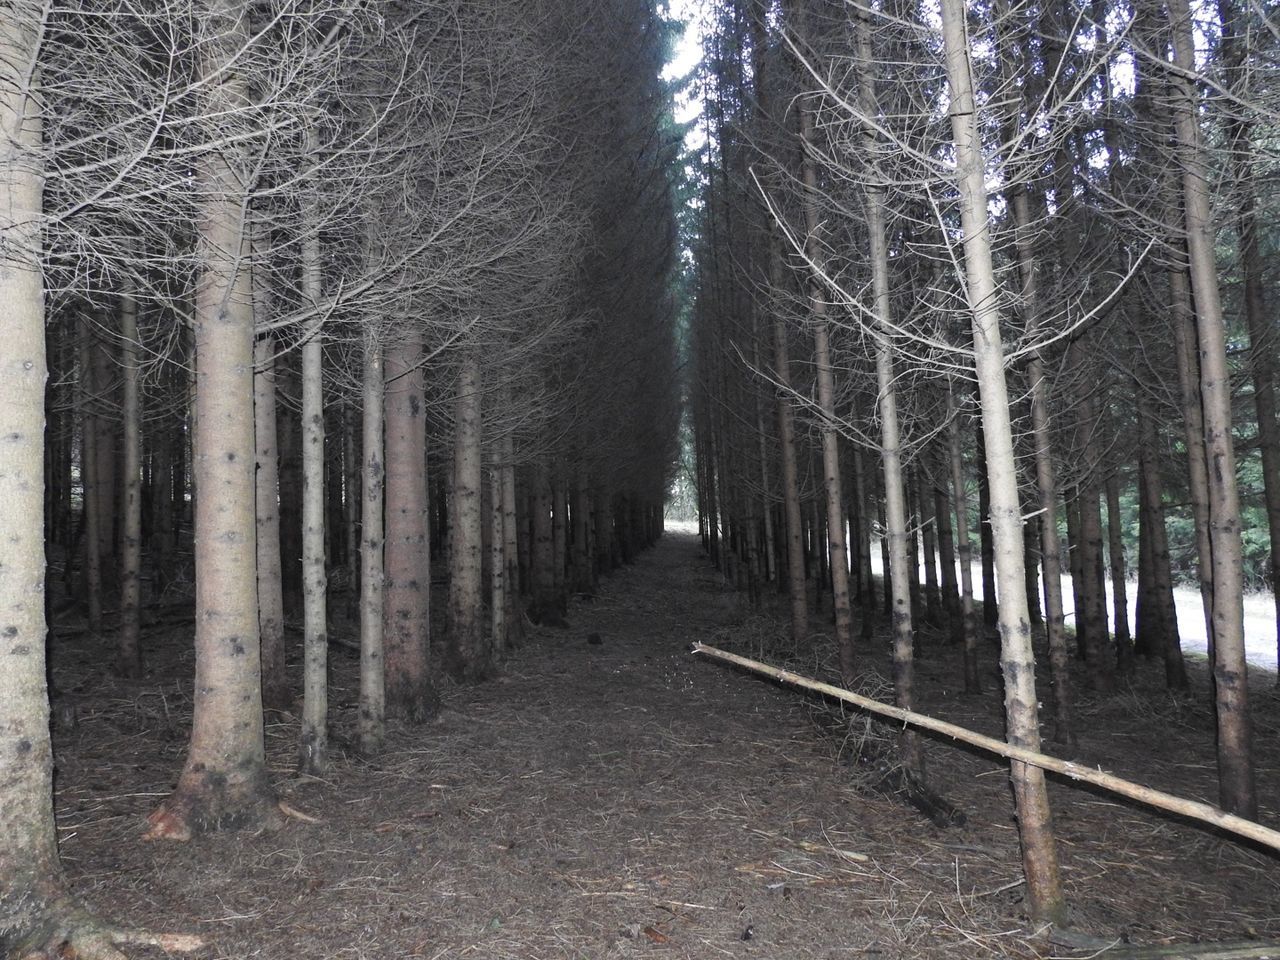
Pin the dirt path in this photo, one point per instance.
(598, 801)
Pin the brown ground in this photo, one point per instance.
(624, 800)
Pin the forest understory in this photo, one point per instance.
(612, 796)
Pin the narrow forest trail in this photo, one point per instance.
(609, 800)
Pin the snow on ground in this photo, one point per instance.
(1259, 610)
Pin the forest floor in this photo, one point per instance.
(624, 799)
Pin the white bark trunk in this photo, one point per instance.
(1040, 860)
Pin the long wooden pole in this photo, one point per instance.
(1126, 788)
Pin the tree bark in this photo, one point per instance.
(1236, 785)
(31, 881)
(313, 743)
(497, 567)
(1166, 641)
(972, 683)
(275, 688)
(90, 501)
(1119, 585)
(224, 782)
(372, 715)
(901, 565)
(469, 657)
(128, 650)
(546, 602)
(410, 694)
(1240, 157)
(947, 556)
(1039, 854)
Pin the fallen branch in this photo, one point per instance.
(1126, 788)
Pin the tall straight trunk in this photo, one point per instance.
(867, 586)
(104, 366)
(352, 504)
(1031, 559)
(371, 718)
(901, 564)
(546, 601)
(1076, 567)
(1119, 585)
(128, 650)
(275, 689)
(972, 683)
(469, 656)
(913, 551)
(410, 693)
(795, 580)
(224, 782)
(511, 544)
(1168, 645)
(832, 484)
(90, 501)
(1240, 126)
(289, 456)
(1236, 786)
(497, 567)
(583, 579)
(161, 543)
(947, 557)
(986, 541)
(929, 549)
(559, 530)
(1092, 617)
(770, 547)
(1185, 350)
(31, 881)
(1039, 853)
(1051, 555)
(313, 743)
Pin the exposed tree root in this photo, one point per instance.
(68, 931)
(189, 811)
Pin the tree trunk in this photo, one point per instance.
(1236, 785)
(1119, 586)
(275, 688)
(224, 782)
(469, 659)
(31, 881)
(559, 532)
(352, 502)
(901, 566)
(497, 567)
(929, 549)
(867, 584)
(972, 683)
(986, 542)
(1240, 126)
(410, 694)
(511, 545)
(796, 584)
(104, 365)
(1182, 317)
(546, 602)
(1166, 641)
(371, 719)
(583, 579)
(837, 548)
(1039, 854)
(947, 557)
(90, 501)
(128, 651)
(313, 743)
(289, 457)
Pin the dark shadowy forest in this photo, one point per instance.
(353, 355)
